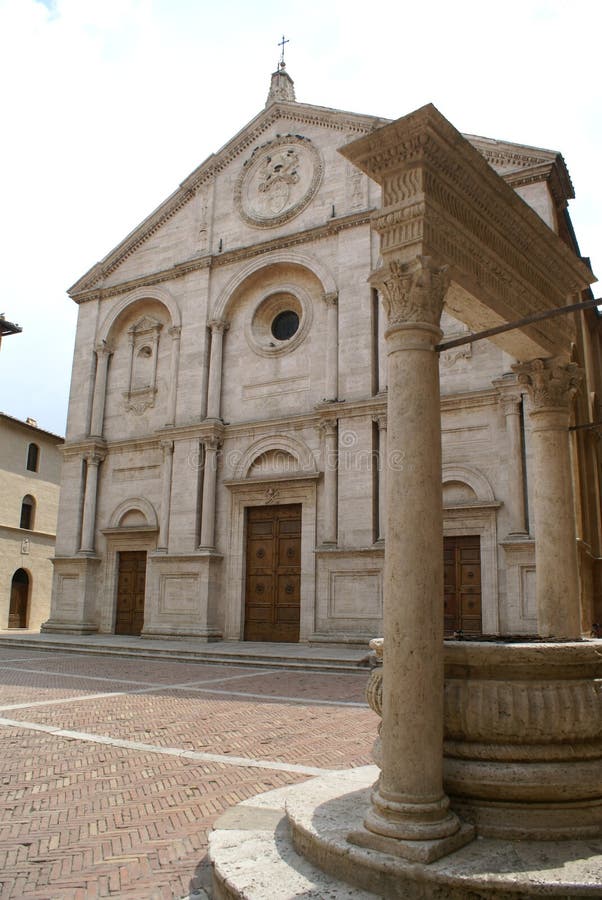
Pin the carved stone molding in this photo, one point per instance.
(167, 447)
(551, 383)
(331, 298)
(175, 331)
(381, 421)
(412, 292)
(271, 495)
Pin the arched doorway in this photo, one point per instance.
(19, 600)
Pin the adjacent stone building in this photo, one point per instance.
(30, 473)
(226, 451)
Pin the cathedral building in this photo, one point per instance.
(226, 454)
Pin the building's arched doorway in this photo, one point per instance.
(19, 600)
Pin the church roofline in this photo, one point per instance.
(215, 163)
(343, 120)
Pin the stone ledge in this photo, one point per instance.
(250, 860)
(252, 856)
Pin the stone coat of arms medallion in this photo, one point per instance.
(278, 181)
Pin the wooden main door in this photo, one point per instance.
(462, 579)
(19, 600)
(131, 582)
(273, 575)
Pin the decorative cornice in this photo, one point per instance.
(319, 232)
(441, 198)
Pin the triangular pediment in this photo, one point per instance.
(189, 202)
(176, 236)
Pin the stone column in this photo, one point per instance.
(330, 432)
(93, 461)
(551, 384)
(381, 421)
(410, 813)
(167, 448)
(175, 333)
(103, 354)
(212, 446)
(510, 402)
(214, 391)
(332, 346)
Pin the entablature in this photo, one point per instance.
(442, 199)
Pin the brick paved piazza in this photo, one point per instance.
(112, 770)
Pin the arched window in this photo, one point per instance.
(33, 456)
(28, 507)
(19, 600)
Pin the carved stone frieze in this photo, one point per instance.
(412, 292)
(551, 383)
(401, 186)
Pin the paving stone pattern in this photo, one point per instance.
(81, 819)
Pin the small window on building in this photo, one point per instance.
(33, 456)
(27, 512)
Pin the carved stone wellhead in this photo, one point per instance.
(522, 736)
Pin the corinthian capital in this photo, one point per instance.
(551, 383)
(103, 350)
(219, 326)
(412, 292)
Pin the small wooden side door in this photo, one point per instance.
(462, 584)
(19, 600)
(131, 584)
(273, 573)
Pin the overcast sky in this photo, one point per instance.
(107, 105)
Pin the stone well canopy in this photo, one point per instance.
(442, 199)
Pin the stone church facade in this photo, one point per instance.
(226, 453)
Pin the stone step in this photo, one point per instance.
(282, 656)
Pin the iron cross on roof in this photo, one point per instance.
(281, 44)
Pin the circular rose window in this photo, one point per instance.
(279, 322)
